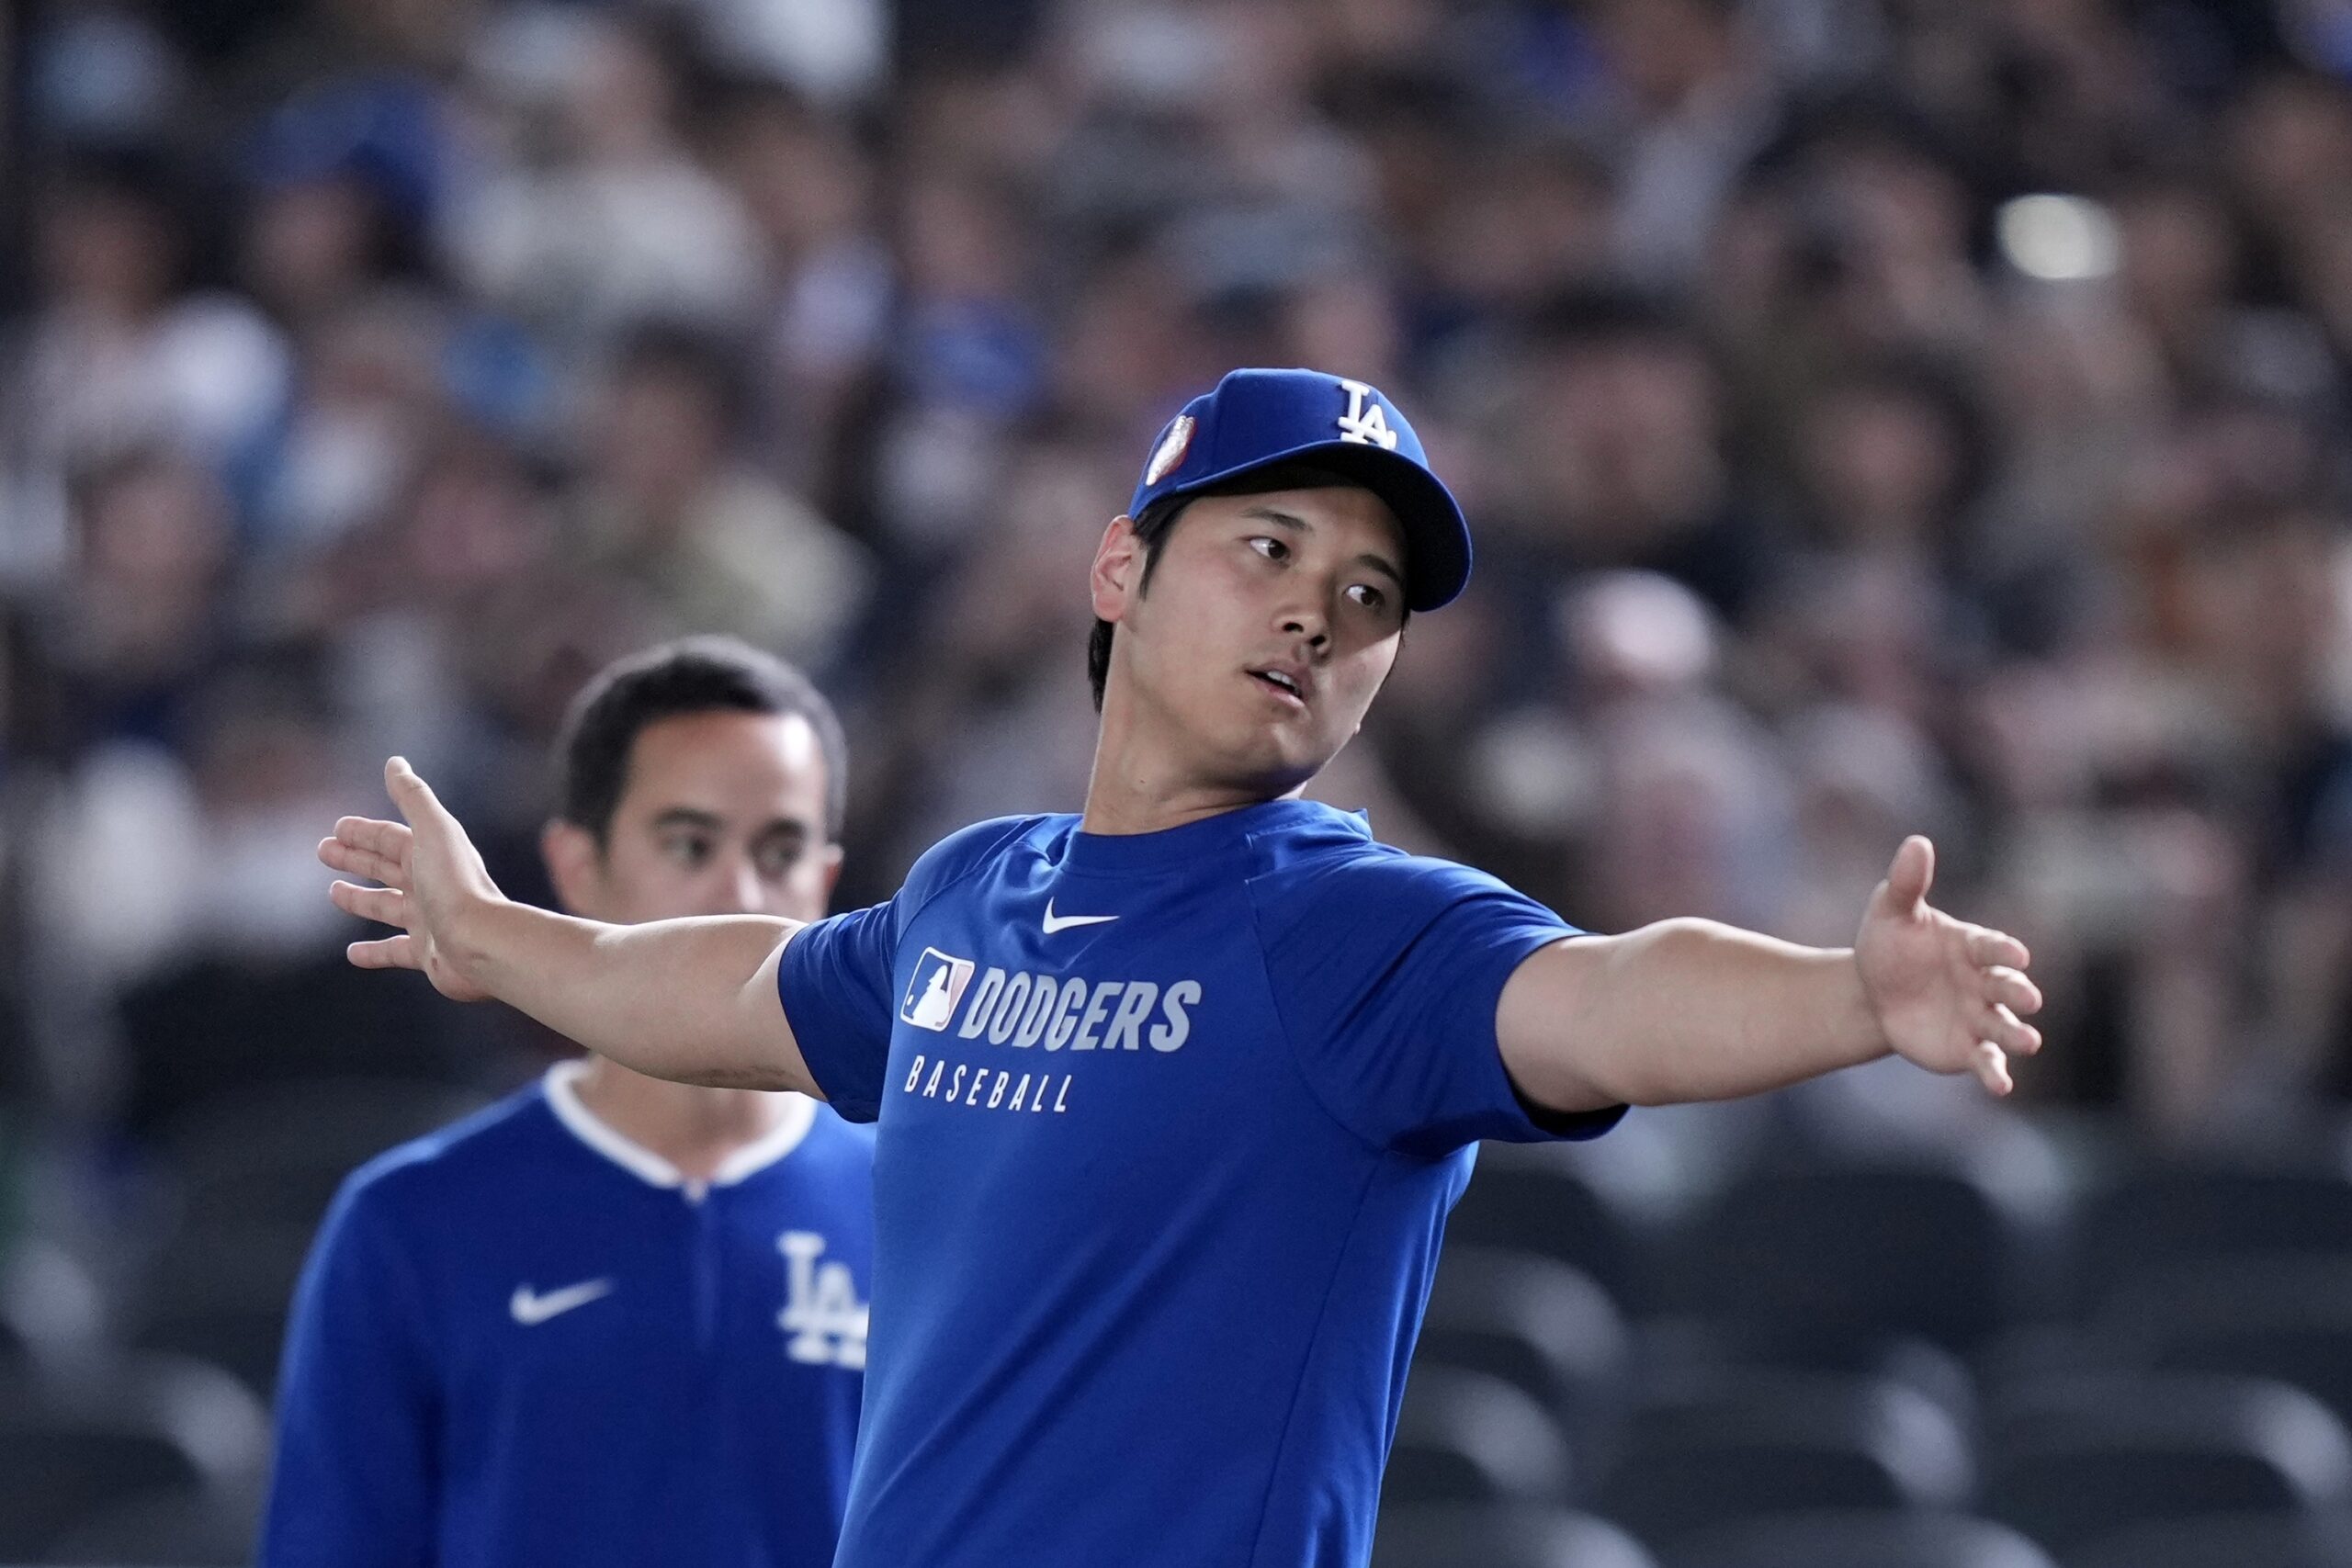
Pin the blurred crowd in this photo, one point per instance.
(1876, 416)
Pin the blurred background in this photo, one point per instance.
(1876, 416)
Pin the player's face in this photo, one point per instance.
(1269, 625)
(722, 814)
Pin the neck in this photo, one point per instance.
(694, 1128)
(1141, 785)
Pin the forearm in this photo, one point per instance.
(693, 1000)
(1685, 1010)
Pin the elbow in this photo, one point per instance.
(759, 1076)
(1559, 1088)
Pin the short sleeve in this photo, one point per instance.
(834, 980)
(835, 976)
(1387, 970)
(355, 1479)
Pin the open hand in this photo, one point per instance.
(432, 880)
(1949, 995)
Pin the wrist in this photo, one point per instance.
(1861, 1023)
(470, 936)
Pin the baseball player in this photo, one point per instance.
(1173, 1096)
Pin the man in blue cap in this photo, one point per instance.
(1173, 1096)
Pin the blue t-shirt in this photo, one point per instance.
(1170, 1126)
(525, 1340)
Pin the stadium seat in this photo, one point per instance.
(189, 1528)
(278, 1152)
(1664, 1347)
(222, 1293)
(1867, 1538)
(1467, 1436)
(74, 1442)
(2068, 1459)
(1535, 1322)
(2229, 1540)
(1840, 1253)
(2167, 1215)
(1531, 1198)
(50, 1306)
(219, 1026)
(1440, 1535)
(2287, 1317)
(216, 1324)
(1709, 1449)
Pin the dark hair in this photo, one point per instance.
(1159, 521)
(691, 675)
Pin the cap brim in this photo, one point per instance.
(1437, 537)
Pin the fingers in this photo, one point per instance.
(377, 851)
(386, 905)
(352, 851)
(385, 952)
(413, 794)
(2005, 986)
(1990, 1067)
(1990, 948)
(2005, 1029)
(1914, 871)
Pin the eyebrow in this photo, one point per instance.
(693, 816)
(1298, 525)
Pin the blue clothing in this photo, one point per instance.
(525, 1340)
(1170, 1126)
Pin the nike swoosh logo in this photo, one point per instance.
(1063, 924)
(531, 1309)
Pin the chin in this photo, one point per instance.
(1266, 759)
(1277, 764)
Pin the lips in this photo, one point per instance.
(1287, 682)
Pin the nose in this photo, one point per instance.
(1311, 625)
(736, 889)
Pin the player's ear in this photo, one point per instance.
(575, 866)
(832, 869)
(1118, 565)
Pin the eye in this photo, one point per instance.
(1370, 597)
(774, 860)
(689, 850)
(1271, 548)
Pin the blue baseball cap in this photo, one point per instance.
(1258, 418)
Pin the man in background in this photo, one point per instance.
(613, 1319)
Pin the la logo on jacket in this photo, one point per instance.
(821, 1311)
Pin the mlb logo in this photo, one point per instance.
(935, 988)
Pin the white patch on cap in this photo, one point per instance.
(1365, 421)
(1173, 447)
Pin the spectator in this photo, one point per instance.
(465, 345)
(672, 507)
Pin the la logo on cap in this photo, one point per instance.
(1173, 447)
(1366, 419)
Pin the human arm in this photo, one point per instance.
(354, 1481)
(693, 1000)
(1691, 1009)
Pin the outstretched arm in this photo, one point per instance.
(694, 1000)
(1691, 1010)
